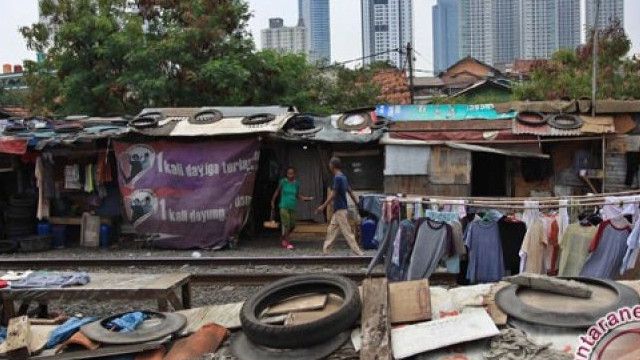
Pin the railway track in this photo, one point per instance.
(180, 261)
(208, 277)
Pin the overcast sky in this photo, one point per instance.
(345, 26)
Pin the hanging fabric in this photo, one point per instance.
(574, 248)
(441, 216)
(43, 199)
(512, 233)
(418, 210)
(531, 212)
(633, 248)
(486, 262)
(72, 177)
(533, 248)
(456, 206)
(616, 206)
(607, 250)
(433, 242)
(563, 217)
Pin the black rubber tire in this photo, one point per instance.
(304, 132)
(565, 121)
(304, 335)
(508, 301)
(146, 120)
(258, 119)
(343, 126)
(204, 117)
(171, 323)
(524, 118)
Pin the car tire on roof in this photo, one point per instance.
(531, 118)
(303, 335)
(564, 121)
(258, 119)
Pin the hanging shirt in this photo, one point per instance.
(607, 249)
(289, 191)
(397, 268)
(616, 206)
(574, 246)
(511, 236)
(633, 248)
(43, 200)
(72, 177)
(533, 248)
(441, 216)
(486, 262)
(432, 243)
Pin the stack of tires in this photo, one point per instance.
(20, 216)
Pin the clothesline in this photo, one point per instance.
(521, 205)
(531, 198)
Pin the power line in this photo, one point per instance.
(362, 58)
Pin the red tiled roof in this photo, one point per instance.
(15, 111)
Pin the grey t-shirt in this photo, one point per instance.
(486, 263)
(432, 243)
(605, 260)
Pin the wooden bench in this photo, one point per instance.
(105, 286)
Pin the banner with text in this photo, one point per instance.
(195, 195)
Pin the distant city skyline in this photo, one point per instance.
(345, 27)
(284, 39)
(315, 16)
(386, 25)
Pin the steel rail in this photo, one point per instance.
(437, 278)
(180, 261)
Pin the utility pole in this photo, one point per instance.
(410, 63)
(594, 76)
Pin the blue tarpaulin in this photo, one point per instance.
(444, 112)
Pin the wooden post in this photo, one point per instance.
(18, 338)
(376, 322)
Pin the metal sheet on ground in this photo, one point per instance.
(472, 324)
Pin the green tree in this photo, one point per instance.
(568, 73)
(104, 59)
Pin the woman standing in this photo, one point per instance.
(289, 192)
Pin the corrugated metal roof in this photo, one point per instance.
(597, 125)
(176, 121)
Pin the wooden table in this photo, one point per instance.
(106, 286)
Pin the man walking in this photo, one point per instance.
(340, 218)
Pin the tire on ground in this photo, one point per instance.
(303, 335)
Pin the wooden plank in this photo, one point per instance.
(174, 300)
(18, 338)
(409, 301)
(333, 304)
(449, 166)
(376, 327)
(297, 304)
(227, 315)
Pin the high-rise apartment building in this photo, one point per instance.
(285, 39)
(314, 16)
(609, 11)
(489, 30)
(445, 34)
(387, 25)
(569, 29)
(500, 31)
